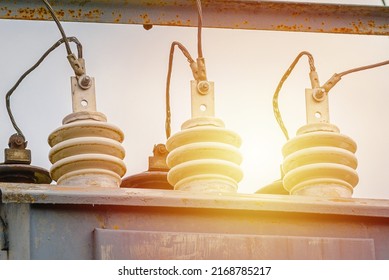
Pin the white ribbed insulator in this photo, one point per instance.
(320, 163)
(87, 153)
(204, 158)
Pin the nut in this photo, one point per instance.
(319, 94)
(203, 87)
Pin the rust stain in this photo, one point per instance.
(342, 30)
(117, 18)
(43, 14)
(287, 27)
(101, 221)
(60, 14)
(24, 198)
(19, 198)
(146, 19)
(72, 13)
(93, 14)
(371, 23)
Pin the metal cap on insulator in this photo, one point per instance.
(16, 167)
(156, 175)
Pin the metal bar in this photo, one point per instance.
(245, 14)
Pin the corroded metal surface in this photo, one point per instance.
(24, 173)
(50, 194)
(241, 14)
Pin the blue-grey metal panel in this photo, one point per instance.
(18, 230)
(239, 14)
(146, 245)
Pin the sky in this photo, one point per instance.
(130, 66)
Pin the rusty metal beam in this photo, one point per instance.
(238, 14)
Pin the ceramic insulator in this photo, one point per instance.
(320, 163)
(87, 153)
(204, 158)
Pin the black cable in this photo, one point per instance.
(25, 74)
(68, 50)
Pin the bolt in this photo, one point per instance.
(319, 94)
(85, 82)
(203, 87)
(17, 141)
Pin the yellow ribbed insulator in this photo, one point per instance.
(204, 157)
(87, 152)
(320, 163)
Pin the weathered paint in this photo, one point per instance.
(52, 194)
(58, 228)
(245, 14)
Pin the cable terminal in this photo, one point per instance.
(332, 82)
(314, 77)
(199, 69)
(78, 64)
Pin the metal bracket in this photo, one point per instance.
(83, 99)
(203, 99)
(317, 109)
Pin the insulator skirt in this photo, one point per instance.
(320, 159)
(87, 152)
(204, 158)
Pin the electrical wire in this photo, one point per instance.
(61, 30)
(199, 29)
(276, 109)
(168, 79)
(25, 74)
(190, 60)
(383, 2)
(337, 77)
(363, 68)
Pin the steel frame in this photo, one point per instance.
(238, 14)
